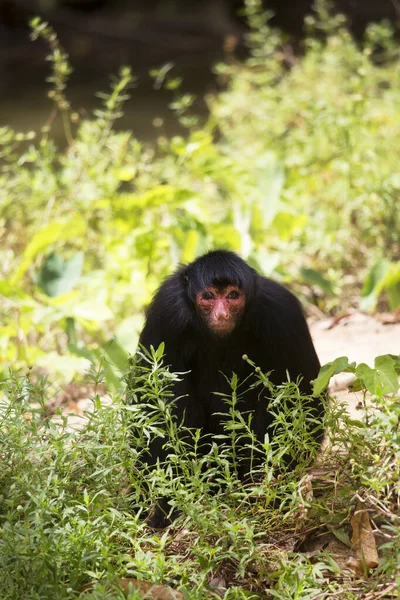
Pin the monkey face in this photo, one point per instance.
(220, 308)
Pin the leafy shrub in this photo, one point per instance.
(73, 498)
(329, 117)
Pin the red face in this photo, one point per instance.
(221, 308)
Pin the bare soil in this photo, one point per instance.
(359, 337)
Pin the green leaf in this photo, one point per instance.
(70, 330)
(386, 367)
(10, 291)
(285, 223)
(91, 310)
(329, 370)
(342, 536)
(264, 261)
(58, 276)
(383, 276)
(116, 354)
(225, 236)
(374, 284)
(367, 376)
(270, 186)
(392, 284)
(157, 196)
(159, 352)
(81, 350)
(190, 246)
(314, 277)
(382, 379)
(44, 238)
(393, 292)
(127, 333)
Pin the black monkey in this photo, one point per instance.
(209, 314)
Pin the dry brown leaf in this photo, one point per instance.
(150, 590)
(306, 493)
(390, 590)
(336, 320)
(219, 584)
(387, 318)
(364, 546)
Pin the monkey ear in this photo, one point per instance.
(185, 277)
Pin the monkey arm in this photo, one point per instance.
(282, 332)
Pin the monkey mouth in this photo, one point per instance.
(221, 329)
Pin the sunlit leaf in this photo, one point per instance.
(157, 196)
(227, 236)
(116, 354)
(286, 223)
(373, 285)
(382, 379)
(190, 246)
(127, 332)
(91, 310)
(329, 370)
(392, 285)
(270, 185)
(44, 238)
(127, 173)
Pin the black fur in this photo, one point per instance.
(273, 333)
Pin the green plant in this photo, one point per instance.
(74, 498)
(327, 117)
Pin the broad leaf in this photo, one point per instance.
(44, 238)
(382, 379)
(314, 277)
(329, 370)
(58, 276)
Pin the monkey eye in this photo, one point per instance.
(233, 295)
(207, 295)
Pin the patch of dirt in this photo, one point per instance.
(359, 337)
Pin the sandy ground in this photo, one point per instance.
(359, 337)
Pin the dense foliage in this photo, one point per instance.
(73, 497)
(296, 169)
